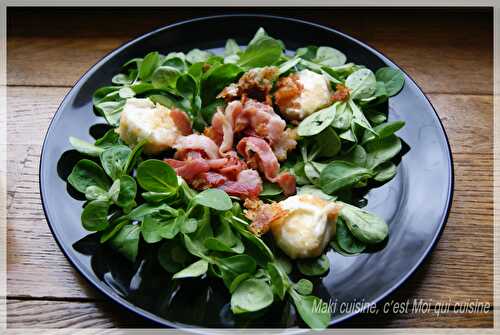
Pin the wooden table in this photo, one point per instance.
(448, 52)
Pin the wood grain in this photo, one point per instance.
(424, 47)
(432, 46)
(67, 314)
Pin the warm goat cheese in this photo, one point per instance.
(142, 119)
(315, 95)
(308, 226)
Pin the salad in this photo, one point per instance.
(247, 166)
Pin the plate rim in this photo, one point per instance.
(151, 317)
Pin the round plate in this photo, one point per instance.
(415, 203)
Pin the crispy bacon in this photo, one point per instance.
(189, 154)
(341, 93)
(247, 186)
(195, 142)
(255, 84)
(224, 131)
(189, 169)
(214, 135)
(230, 92)
(181, 121)
(208, 180)
(233, 166)
(286, 143)
(287, 90)
(287, 182)
(262, 215)
(224, 123)
(258, 155)
(266, 123)
(252, 118)
(229, 174)
(218, 164)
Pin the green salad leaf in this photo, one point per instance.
(307, 306)
(265, 51)
(95, 215)
(317, 122)
(392, 79)
(365, 226)
(85, 147)
(149, 64)
(339, 174)
(314, 267)
(346, 240)
(126, 241)
(362, 83)
(329, 56)
(250, 296)
(86, 173)
(214, 198)
(157, 176)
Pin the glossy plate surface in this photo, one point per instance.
(415, 203)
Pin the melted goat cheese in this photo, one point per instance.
(307, 227)
(142, 119)
(315, 95)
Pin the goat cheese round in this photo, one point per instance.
(314, 93)
(307, 227)
(143, 119)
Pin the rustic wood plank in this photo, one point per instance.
(468, 121)
(61, 60)
(426, 44)
(29, 111)
(59, 314)
(67, 314)
(421, 320)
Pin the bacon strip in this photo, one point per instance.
(208, 180)
(181, 121)
(233, 166)
(195, 142)
(266, 123)
(189, 169)
(252, 118)
(262, 215)
(224, 127)
(247, 186)
(229, 174)
(287, 182)
(258, 155)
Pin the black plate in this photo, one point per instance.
(415, 203)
